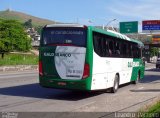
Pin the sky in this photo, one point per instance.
(88, 12)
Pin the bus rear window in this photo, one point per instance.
(63, 36)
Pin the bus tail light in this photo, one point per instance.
(85, 27)
(40, 68)
(86, 71)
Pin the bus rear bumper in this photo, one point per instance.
(65, 84)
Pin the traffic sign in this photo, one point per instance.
(129, 27)
(151, 26)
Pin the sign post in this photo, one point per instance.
(128, 27)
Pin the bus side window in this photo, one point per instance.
(124, 49)
(106, 48)
(135, 51)
(128, 50)
(111, 49)
(131, 51)
(139, 52)
(98, 42)
(103, 47)
(117, 47)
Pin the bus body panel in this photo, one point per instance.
(138, 68)
(104, 71)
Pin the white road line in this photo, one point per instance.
(140, 88)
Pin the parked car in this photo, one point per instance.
(158, 63)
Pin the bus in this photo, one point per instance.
(79, 57)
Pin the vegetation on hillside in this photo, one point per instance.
(22, 17)
(13, 37)
(28, 24)
(25, 19)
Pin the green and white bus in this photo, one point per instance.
(80, 57)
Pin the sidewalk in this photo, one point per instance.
(149, 66)
(36, 52)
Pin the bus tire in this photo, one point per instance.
(137, 79)
(115, 85)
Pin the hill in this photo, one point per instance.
(22, 17)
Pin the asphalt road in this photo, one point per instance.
(20, 92)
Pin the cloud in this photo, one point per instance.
(140, 9)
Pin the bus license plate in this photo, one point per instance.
(62, 83)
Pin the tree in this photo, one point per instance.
(28, 24)
(39, 29)
(154, 51)
(13, 37)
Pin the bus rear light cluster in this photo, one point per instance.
(40, 68)
(85, 27)
(86, 71)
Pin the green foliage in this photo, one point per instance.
(13, 36)
(151, 112)
(39, 29)
(154, 51)
(19, 59)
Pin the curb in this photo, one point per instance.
(149, 68)
(18, 68)
(28, 67)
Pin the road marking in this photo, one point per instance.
(140, 88)
(84, 105)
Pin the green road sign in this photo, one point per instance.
(128, 27)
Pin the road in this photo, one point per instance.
(20, 92)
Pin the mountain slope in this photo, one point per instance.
(22, 17)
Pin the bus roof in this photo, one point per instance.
(116, 34)
(65, 25)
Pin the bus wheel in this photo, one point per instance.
(116, 84)
(137, 80)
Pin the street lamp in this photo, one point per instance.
(90, 21)
(110, 22)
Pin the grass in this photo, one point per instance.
(155, 108)
(18, 59)
(152, 111)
